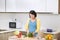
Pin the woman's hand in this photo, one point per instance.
(35, 34)
(27, 32)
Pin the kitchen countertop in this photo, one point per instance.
(25, 38)
(51, 32)
(14, 29)
(10, 30)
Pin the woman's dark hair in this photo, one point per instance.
(33, 13)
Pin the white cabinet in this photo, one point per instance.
(27, 5)
(52, 6)
(5, 36)
(10, 5)
(2, 5)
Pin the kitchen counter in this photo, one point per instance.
(10, 30)
(25, 38)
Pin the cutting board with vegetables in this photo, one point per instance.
(22, 38)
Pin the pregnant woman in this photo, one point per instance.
(33, 24)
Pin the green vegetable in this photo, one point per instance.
(29, 35)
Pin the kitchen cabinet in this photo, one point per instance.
(10, 5)
(27, 5)
(1, 36)
(5, 36)
(59, 7)
(2, 5)
(52, 6)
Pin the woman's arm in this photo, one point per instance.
(26, 26)
(38, 25)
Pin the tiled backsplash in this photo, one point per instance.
(47, 20)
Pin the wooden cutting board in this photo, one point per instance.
(30, 38)
(26, 38)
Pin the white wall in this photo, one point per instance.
(47, 20)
